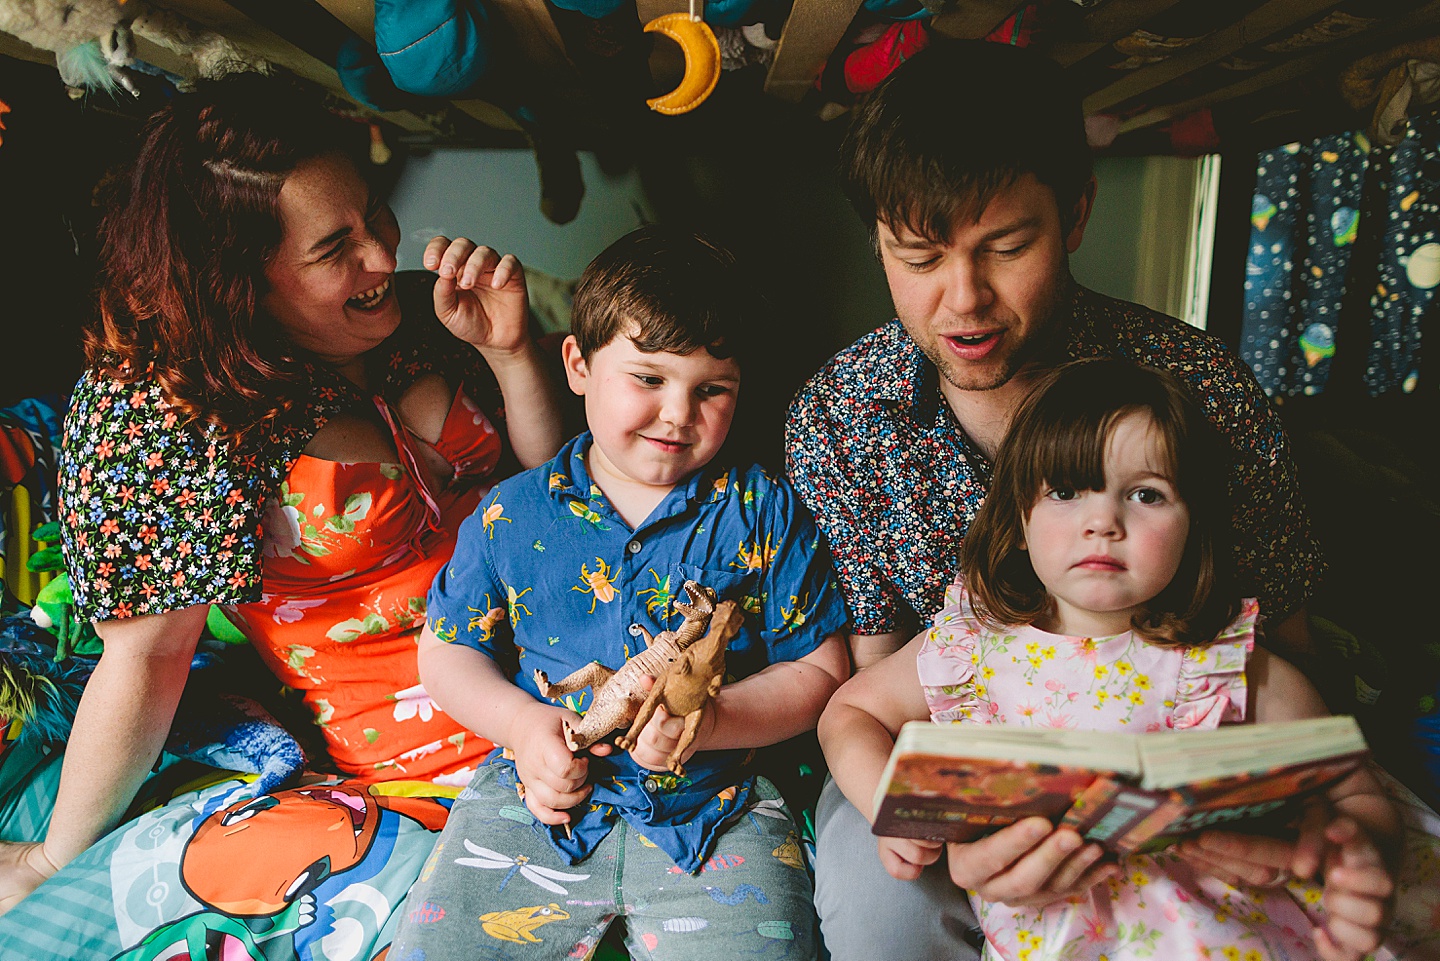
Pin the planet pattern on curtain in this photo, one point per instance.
(1311, 203)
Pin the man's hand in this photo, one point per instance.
(553, 777)
(1030, 863)
(905, 858)
(22, 869)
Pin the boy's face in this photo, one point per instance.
(656, 418)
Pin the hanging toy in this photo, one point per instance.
(702, 60)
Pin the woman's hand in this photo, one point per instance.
(1030, 863)
(480, 295)
(23, 867)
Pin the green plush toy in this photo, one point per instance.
(54, 608)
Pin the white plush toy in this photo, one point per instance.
(93, 39)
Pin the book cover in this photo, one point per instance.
(1127, 792)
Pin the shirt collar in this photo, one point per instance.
(569, 480)
(910, 377)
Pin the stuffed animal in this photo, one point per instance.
(54, 608)
(93, 39)
(618, 695)
(685, 686)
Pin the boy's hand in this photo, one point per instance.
(1359, 893)
(553, 777)
(661, 735)
(1030, 863)
(905, 858)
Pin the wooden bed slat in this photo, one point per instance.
(1254, 26)
(1106, 24)
(809, 38)
(974, 19)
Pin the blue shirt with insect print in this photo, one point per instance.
(546, 575)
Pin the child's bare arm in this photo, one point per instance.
(471, 688)
(779, 702)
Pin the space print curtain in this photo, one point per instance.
(1312, 203)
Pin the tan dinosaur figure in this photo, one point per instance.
(617, 695)
(689, 683)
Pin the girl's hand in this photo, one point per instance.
(1030, 863)
(480, 295)
(23, 867)
(905, 858)
(554, 778)
(1359, 892)
(1240, 859)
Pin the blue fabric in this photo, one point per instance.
(1311, 202)
(1304, 219)
(434, 48)
(574, 578)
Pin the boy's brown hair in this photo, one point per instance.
(1058, 440)
(668, 290)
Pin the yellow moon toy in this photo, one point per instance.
(702, 62)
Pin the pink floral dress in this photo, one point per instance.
(1160, 908)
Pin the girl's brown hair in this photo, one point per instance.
(1058, 439)
(185, 239)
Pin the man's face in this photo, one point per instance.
(983, 305)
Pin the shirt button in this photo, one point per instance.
(652, 785)
(633, 547)
(636, 630)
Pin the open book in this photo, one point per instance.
(1128, 792)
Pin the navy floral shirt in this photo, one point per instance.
(160, 514)
(546, 576)
(879, 457)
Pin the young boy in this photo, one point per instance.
(564, 565)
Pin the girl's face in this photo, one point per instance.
(1103, 555)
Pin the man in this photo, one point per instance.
(971, 164)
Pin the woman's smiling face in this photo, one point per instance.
(331, 279)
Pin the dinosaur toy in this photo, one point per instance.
(617, 695)
(688, 684)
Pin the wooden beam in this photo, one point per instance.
(808, 39)
(1330, 55)
(973, 19)
(1106, 24)
(230, 23)
(1254, 26)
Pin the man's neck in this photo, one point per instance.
(985, 414)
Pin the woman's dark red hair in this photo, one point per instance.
(186, 235)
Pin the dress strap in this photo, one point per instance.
(411, 462)
(1212, 689)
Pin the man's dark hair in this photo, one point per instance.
(956, 123)
(668, 290)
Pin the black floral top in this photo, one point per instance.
(882, 462)
(160, 514)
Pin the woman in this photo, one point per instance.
(276, 422)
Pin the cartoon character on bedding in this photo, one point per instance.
(260, 867)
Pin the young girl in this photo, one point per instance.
(1093, 594)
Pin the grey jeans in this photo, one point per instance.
(865, 913)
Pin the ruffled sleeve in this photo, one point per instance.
(1212, 689)
(946, 660)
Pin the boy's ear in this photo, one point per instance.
(577, 372)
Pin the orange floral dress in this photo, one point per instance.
(350, 550)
